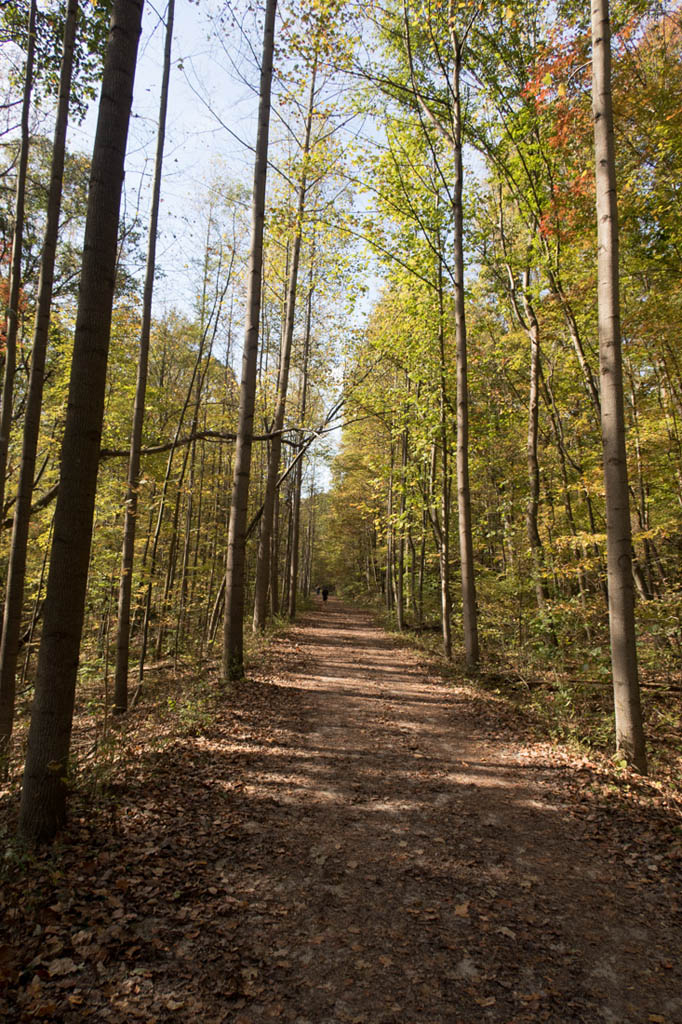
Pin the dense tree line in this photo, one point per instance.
(539, 423)
(469, 483)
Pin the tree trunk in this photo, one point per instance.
(537, 553)
(263, 562)
(16, 574)
(310, 540)
(274, 559)
(43, 801)
(286, 580)
(388, 571)
(466, 547)
(440, 535)
(298, 472)
(130, 522)
(629, 730)
(15, 268)
(400, 582)
(233, 644)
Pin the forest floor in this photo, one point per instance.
(351, 840)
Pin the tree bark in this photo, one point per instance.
(16, 574)
(43, 800)
(400, 582)
(388, 571)
(537, 552)
(264, 541)
(15, 268)
(466, 547)
(130, 521)
(298, 472)
(629, 729)
(233, 642)
(440, 535)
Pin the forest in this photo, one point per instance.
(377, 298)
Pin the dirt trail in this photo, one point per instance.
(357, 843)
(418, 870)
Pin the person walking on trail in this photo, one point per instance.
(325, 593)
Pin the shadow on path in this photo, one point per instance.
(412, 866)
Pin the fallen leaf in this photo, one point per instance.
(462, 910)
(60, 967)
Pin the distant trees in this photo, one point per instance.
(540, 514)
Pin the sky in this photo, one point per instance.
(198, 142)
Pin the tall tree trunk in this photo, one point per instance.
(286, 580)
(37, 606)
(440, 535)
(537, 553)
(298, 472)
(466, 547)
(43, 801)
(16, 574)
(388, 572)
(263, 562)
(400, 581)
(130, 522)
(310, 540)
(274, 558)
(233, 643)
(629, 729)
(15, 268)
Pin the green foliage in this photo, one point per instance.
(532, 243)
(92, 34)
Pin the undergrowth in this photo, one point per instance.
(178, 700)
(563, 691)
